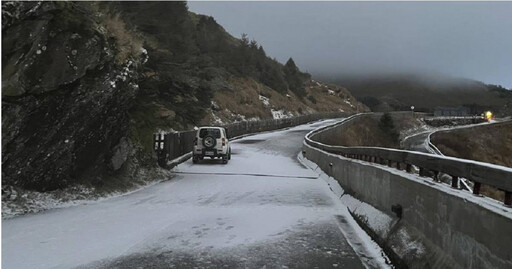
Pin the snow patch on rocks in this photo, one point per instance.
(265, 100)
(216, 119)
(349, 103)
(280, 114)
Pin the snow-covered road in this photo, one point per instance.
(418, 142)
(263, 209)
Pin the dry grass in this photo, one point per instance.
(331, 97)
(366, 131)
(242, 98)
(492, 192)
(487, 143)
(128, 44)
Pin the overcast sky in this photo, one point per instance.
(465, 39)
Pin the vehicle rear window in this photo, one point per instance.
(212, 132)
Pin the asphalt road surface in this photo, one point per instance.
(263, 209)
(417, 142)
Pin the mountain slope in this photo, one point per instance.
(86, 84)
(425, 92)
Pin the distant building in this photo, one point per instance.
(460, 111)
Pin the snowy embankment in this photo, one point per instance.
(17, 202)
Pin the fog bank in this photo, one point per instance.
(463, 39)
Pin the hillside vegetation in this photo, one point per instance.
(486, 143)
(426, 92)
(377, 130)
(86, 84)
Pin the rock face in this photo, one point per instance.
(65, 99)
(120, 155)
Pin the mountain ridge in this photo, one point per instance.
(425, 92)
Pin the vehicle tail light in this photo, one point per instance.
(223, 142)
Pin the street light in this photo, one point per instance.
(412, 111)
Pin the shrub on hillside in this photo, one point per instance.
(294, 78)
(387, 126)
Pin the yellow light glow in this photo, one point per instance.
(488, 115)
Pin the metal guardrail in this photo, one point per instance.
(496, 176)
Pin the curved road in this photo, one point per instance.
(417, 142)
(262, 210)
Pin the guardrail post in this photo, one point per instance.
(158, 141)
(160, 148)
(455, 181)
(508, 198)
(398, 165)
(390, 163)
(436, 176)
(422, 172)
(408, 168)
(476, 188)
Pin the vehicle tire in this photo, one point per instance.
(209, 142)
(224, 161)
(195, 159)
(229, 155)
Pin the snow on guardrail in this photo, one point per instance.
(493, 175)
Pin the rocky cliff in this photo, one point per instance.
(86, 84)
(66, 95)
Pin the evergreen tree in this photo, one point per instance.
(294, 78)
(387, 125)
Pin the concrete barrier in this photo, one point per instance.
(420, 223)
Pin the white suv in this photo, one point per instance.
(211, 142)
